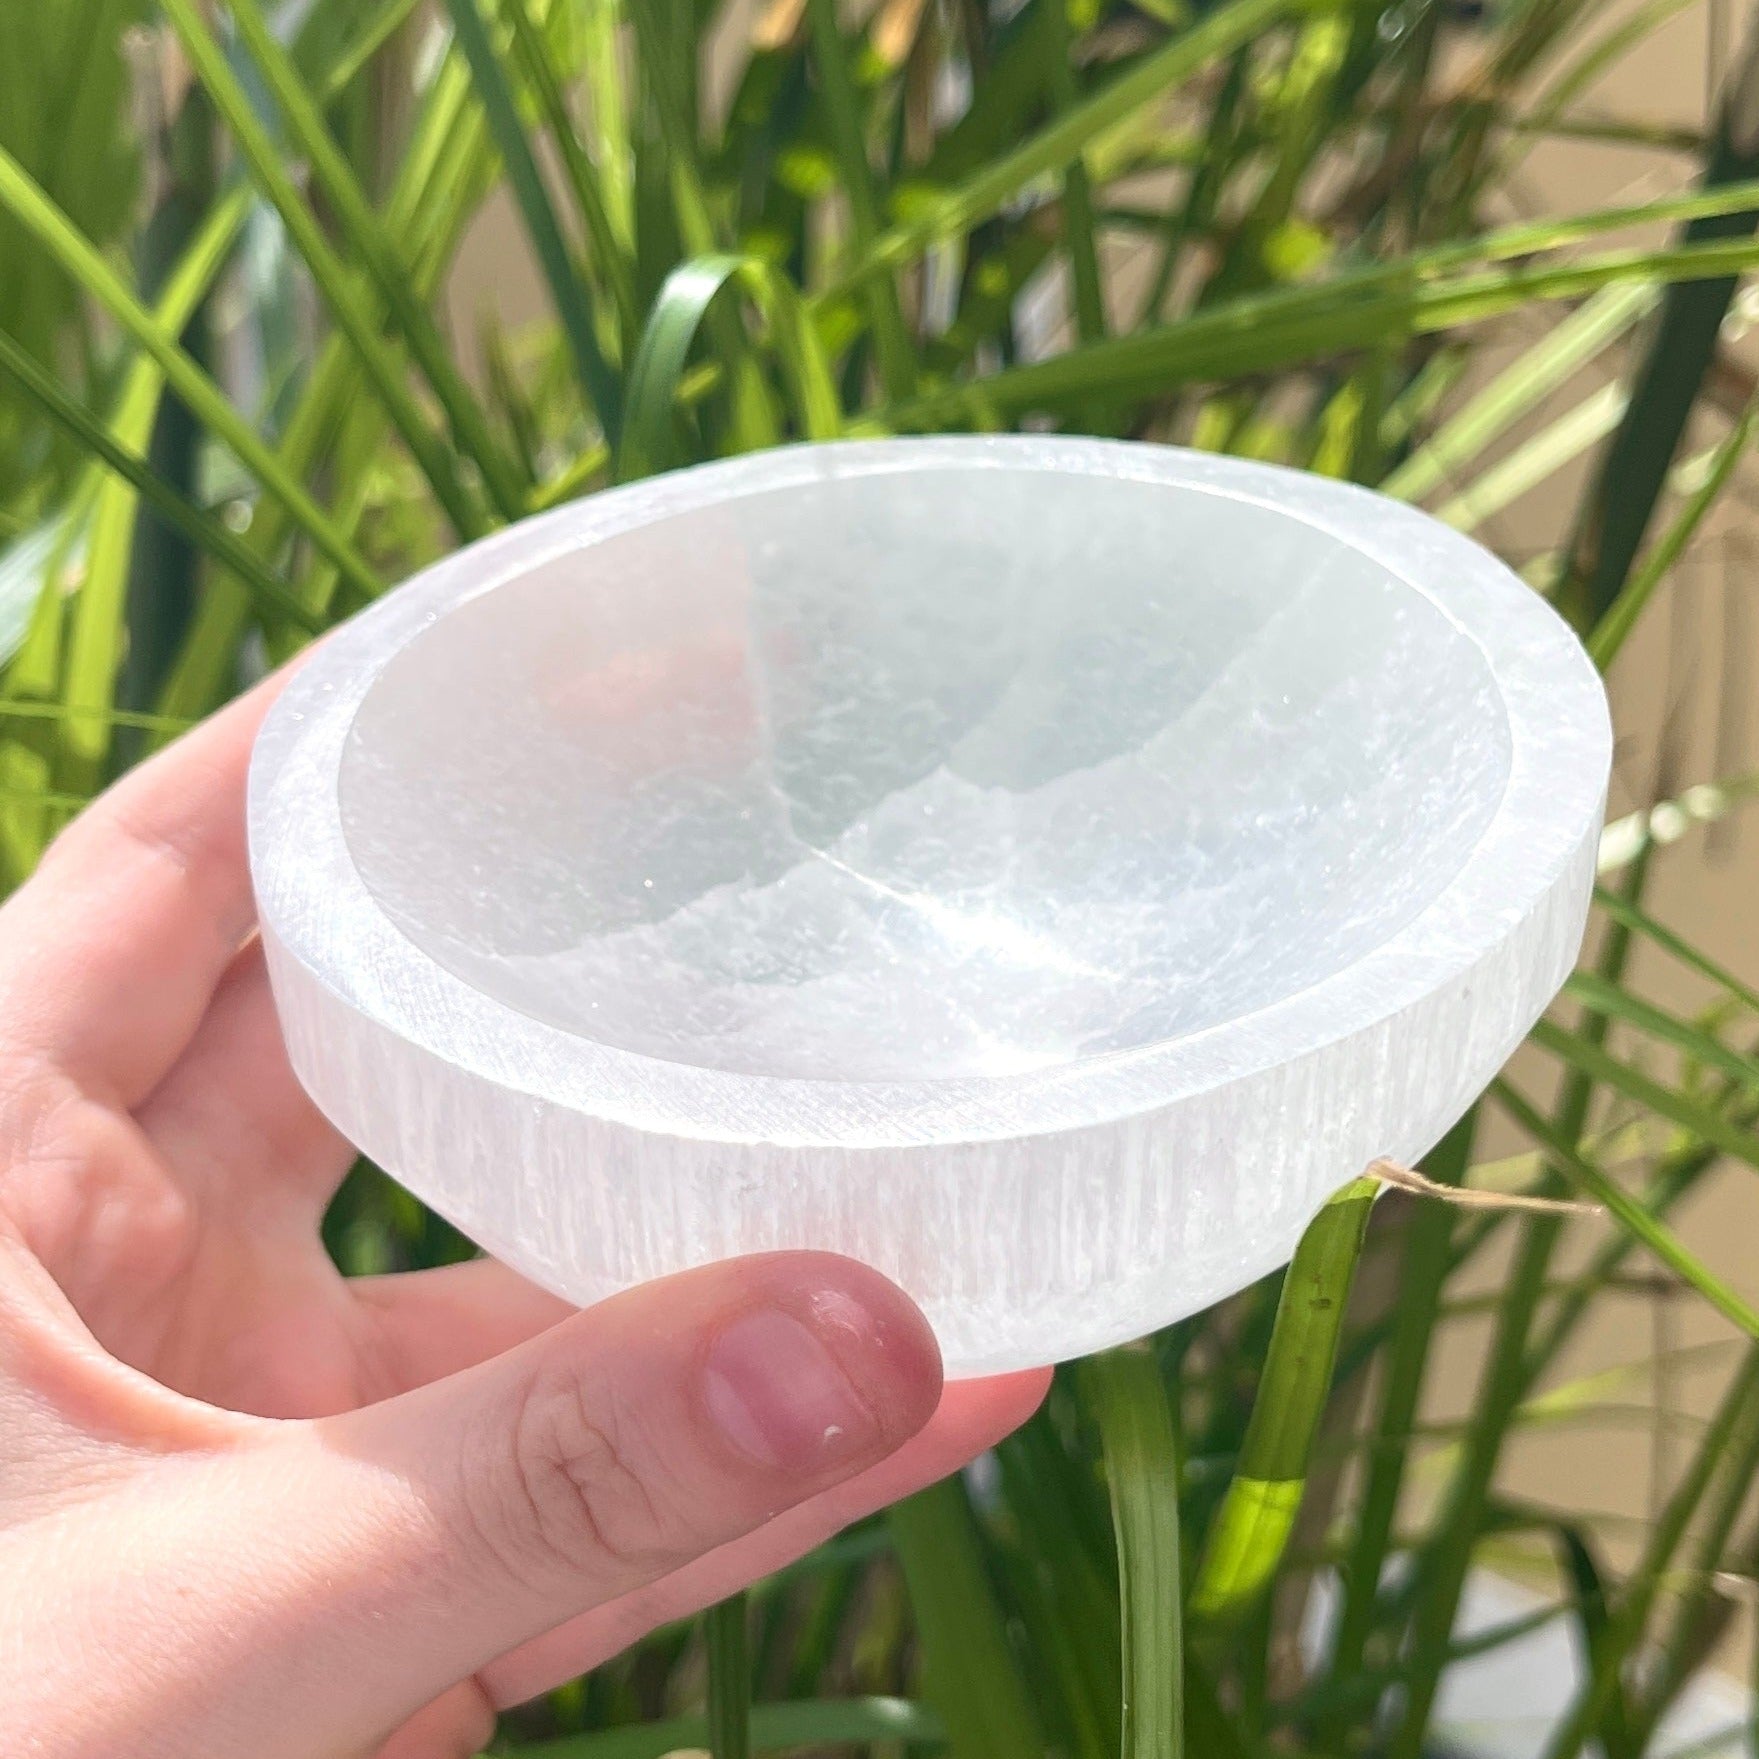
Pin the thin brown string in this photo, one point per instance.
(1389, 1172)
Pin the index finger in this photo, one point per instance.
(110, 952)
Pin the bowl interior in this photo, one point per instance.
(924, 774)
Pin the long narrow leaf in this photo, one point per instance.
(1621, 910)
(970, 1674)
(1252, 1527)
(1520, 387)
(1617, 1003)
(1734, 1429)
(1268, 332)
(729, 1680)
(97, 633)
(1660, 1240)
(837, 84)
(1056, 145)
(1536, 459)
(1689, 1113)
(200, 527)
(1422, 1276)
(595, 205)
(1620, 618)
(1621, 502)
(25, 200)
(337, 282)
(366, 236)
(1128, 1397)
(684, 302)
(596, 378)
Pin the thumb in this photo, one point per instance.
(397, 1549)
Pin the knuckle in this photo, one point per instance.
(580, 1496)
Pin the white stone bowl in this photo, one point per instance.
(1042, 868)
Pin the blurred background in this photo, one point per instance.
(413, 269)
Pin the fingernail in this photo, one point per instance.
(781, 1397)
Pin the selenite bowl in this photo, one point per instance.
(1044, 869)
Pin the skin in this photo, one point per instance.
(247, 1506)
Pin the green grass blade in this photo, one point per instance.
(337, 282)
(1270, 332)
(892, 346)
(1080, 233)
(1062, 1581)
(97, 633)
(1128, 1397)
(1620, 617)
(825, 1722)
(601, 24)
(1464, 1509)
(1423, 1275)
(1583, 73)
(1622, 911)
(1520, 387)
(566, 292)
(1054, 147)
(1586, 1056)
(1661, 1240)
(445, 173)
(1701, 1611)
(684, 303)
(610, 254)
(1677, 1175)
(1192, 220)
(25, 200)
(368, 238)
(112, 717)
(1617, 1003)
(729, 1679)
(1541, 456)
(969, 1671)
(1732, 1433)
(1251, 1529)
(374, 35)
(200, 527)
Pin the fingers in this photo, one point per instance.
(108, 956)
(426, 1324)
(434, 1322)
(973, 1415)
(231, 1116)
(400, 1548)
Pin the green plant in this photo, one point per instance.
(1260, 226)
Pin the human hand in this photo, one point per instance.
(248, 1507)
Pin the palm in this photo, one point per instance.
(190, 1245)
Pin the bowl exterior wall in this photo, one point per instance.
(1021, 1250)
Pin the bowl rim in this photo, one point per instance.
(325, 927)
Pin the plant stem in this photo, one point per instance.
(1423, 1277)
(970, 1675)
(729, 1679)
(1129, 1399)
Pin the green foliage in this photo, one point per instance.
(230, 410)
(63, 113)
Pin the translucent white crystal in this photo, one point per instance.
(1041, 868)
